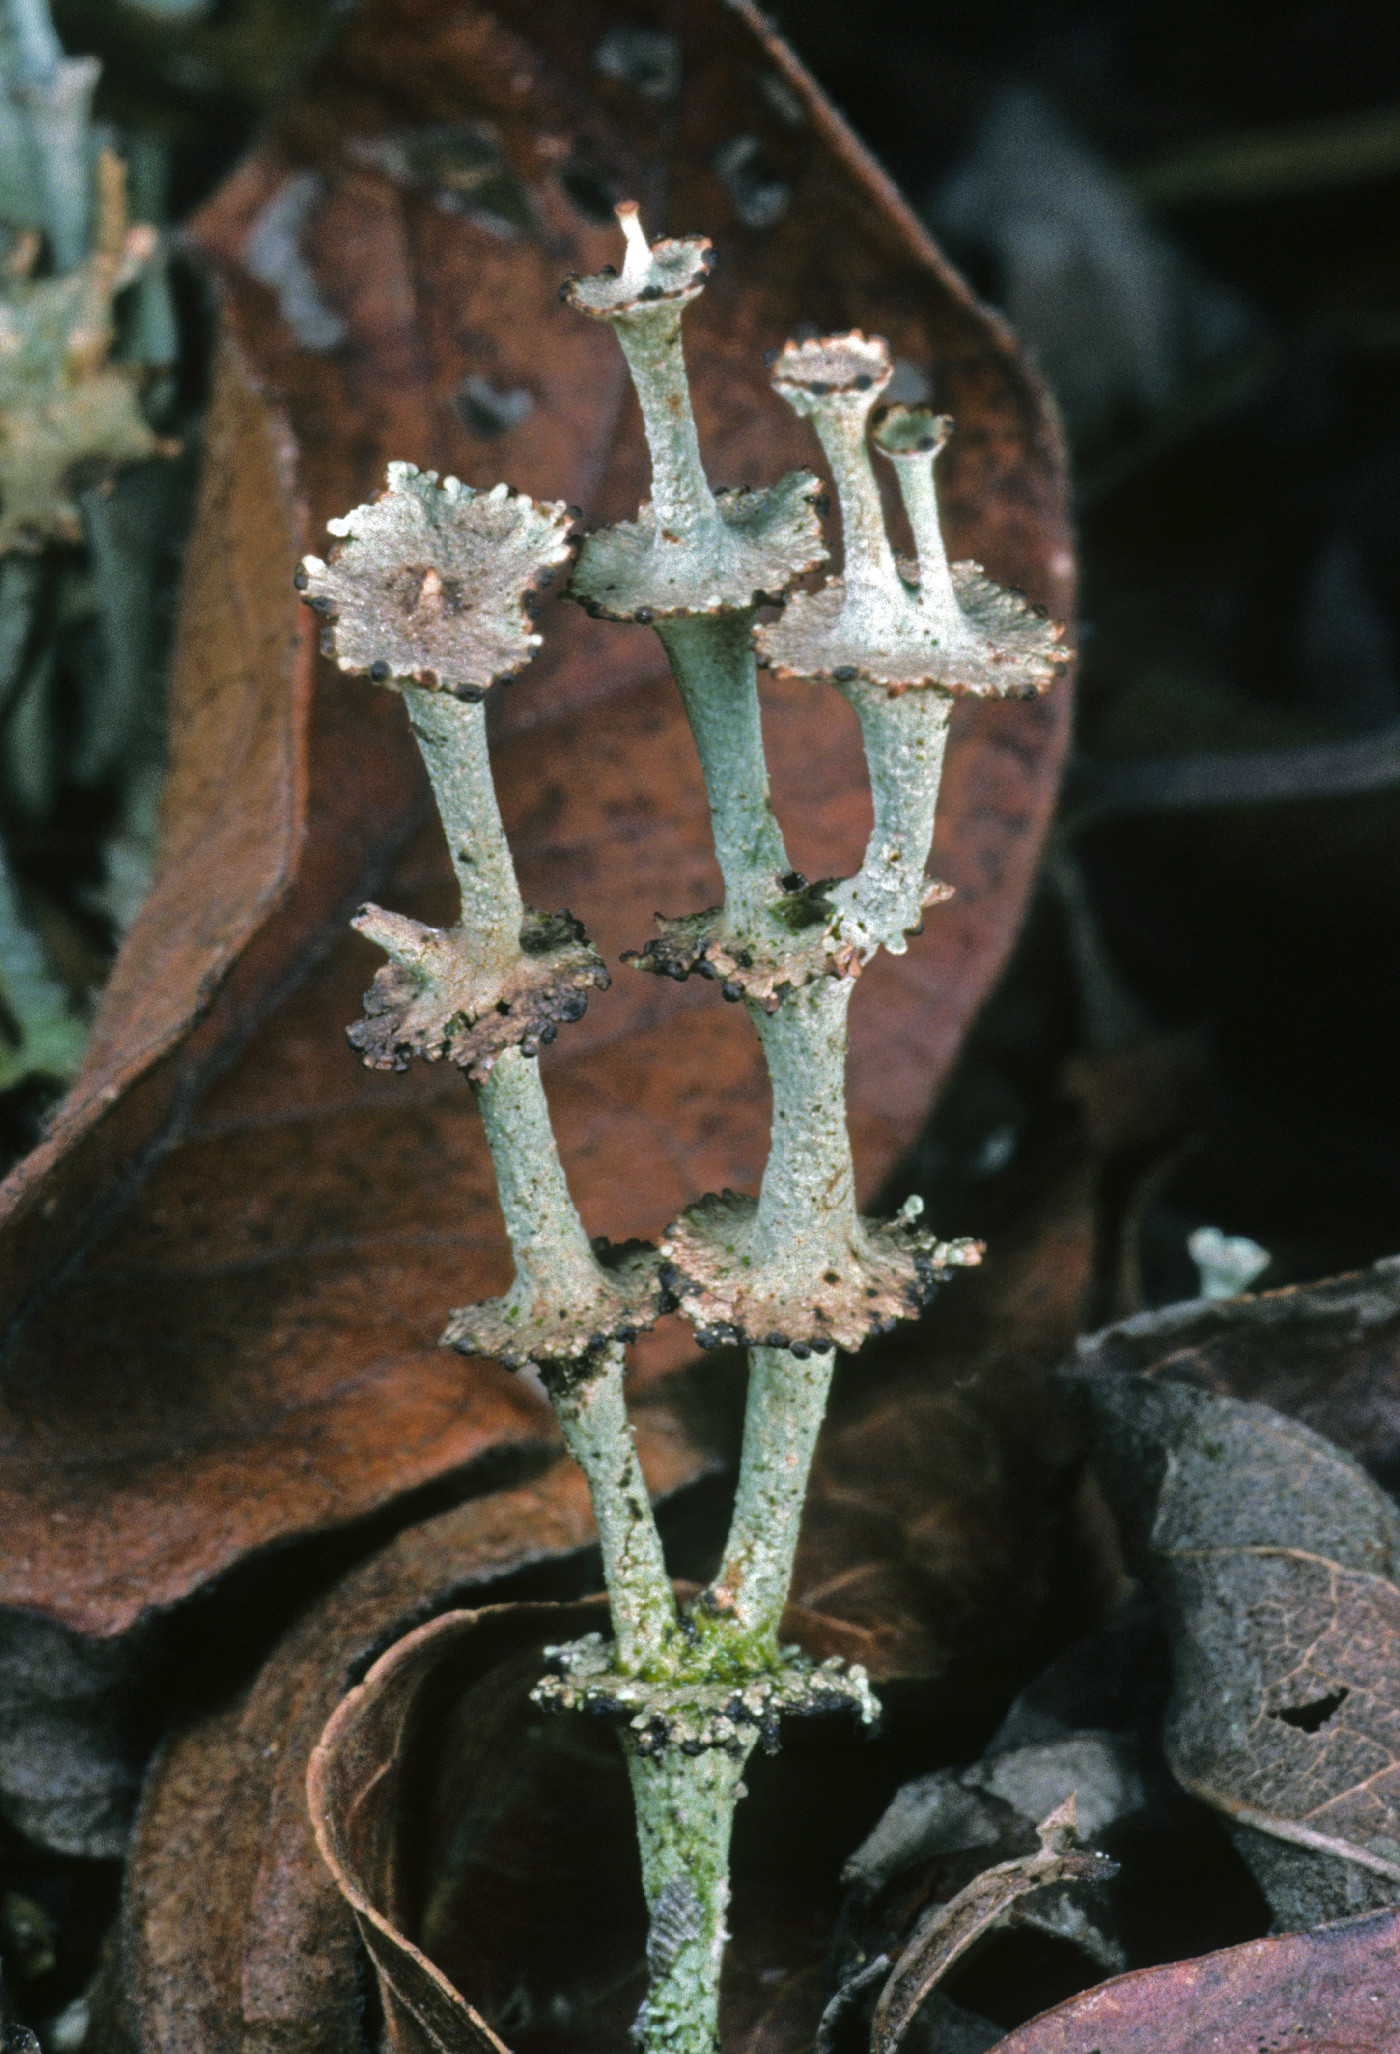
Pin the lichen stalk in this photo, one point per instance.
(685, 1814)
(650, 337)
(905, 740)
(592, 1413)
(712, 660)
(937, 598)
(782, 1419)
(807, 1200)
(551, 1250)
(451, 738)
(869, 574)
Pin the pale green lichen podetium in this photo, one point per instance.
(797, 1272)
(427, 591)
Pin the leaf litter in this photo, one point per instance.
(861, 1557)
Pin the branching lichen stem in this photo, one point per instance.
(905, 739)
(554, 1260)
(782, 1418)
(650, 337)
(451, 737)
(551, 1249)
(937, 598)
(713, 662)
(869, 574)
(807, 1200)
(589, 1404)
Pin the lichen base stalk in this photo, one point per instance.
(589, 1405)
(783, 1416)
(713, 663)
(685, 1816)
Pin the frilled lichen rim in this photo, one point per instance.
(527, 1326)
(901, 432)
(435, 1001)
(431, 583)
(764, 539)
(832, 367)
(702, 945)
(695, 1714)
(669, 273)
(1019, 651)
(888, 1274)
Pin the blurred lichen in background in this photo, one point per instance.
(91, 511)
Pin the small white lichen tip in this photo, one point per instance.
(667, 274)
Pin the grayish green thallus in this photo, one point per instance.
(430, 595)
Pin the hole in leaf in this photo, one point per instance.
(489, 410)
(1313, 1716)
(646, 59)
(591, 190)
(757, 194)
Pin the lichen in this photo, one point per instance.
(430, 590)
(68, 414)
(432, 582)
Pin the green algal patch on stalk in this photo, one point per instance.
(429, 590)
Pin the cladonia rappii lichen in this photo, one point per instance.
(429, 591)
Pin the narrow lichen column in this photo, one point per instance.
(901, 641)
(685, 1816)
(899, 646)
(695, 564)
(427, 590)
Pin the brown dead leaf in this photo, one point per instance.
(935, 1511)
(1326, 1354)
(1332, 1991)
(246, 1353)
(233, 1934)
(948, 1930)
(1277, 1558)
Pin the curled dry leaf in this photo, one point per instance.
(259, 1316)
(232, 1930)
(1332, 1991)
(372, 1752)
(950, 1929)
(1326, 1354)
(485, 1845)
(1277, 1557)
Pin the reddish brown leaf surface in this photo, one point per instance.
(1335, 1990)
(233, 1933)
(247, 1352)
